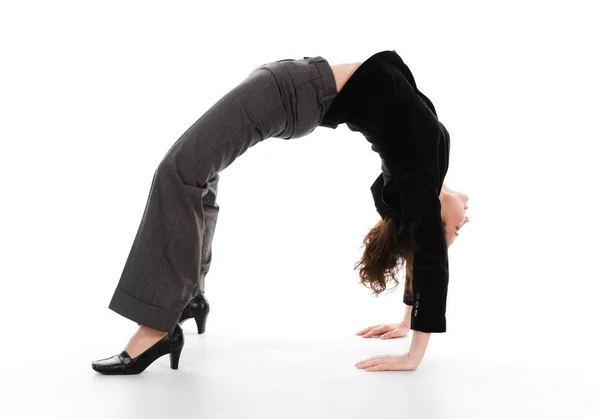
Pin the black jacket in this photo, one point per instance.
(381, 101)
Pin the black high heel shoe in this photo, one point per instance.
(171, 343)
(198, 309)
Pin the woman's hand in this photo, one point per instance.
(387, 331)
(402, 362)
(406, 362)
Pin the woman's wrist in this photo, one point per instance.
(407, 313)
(418, 345)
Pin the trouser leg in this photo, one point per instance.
(165, 264)
(211, 212)
(171, 252)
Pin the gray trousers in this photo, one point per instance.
(172, 252)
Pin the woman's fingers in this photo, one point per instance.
(394, 333)
(373, 358)
(388, 363)
(373, 362)
(367, 364)
(385, 331)
(366, 330)
(376, 331)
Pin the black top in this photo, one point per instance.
(381, 101)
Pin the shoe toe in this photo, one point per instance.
(108, 364)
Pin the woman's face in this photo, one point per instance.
(454, 205)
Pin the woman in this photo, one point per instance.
(162, 283)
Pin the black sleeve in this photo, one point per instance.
(414, 198)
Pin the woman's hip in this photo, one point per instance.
(307, 89)
(283, 99)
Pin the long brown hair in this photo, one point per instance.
(388, 247)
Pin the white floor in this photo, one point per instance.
(223, 375)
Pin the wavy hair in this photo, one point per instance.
(388, 247)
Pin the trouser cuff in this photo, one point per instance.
(156, 317)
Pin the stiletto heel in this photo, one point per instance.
(201, 322)
(198, 309)
(174, 355)
(123, 363)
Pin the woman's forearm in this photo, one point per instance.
(418, 345)
(419, 339)
(407, 312)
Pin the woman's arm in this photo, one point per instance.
(417, 346)
(407, 312)
(415, 199)
(419, 339)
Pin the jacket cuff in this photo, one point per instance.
(428, 315)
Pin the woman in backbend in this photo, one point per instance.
(162, 283)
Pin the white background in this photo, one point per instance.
(92, 94)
